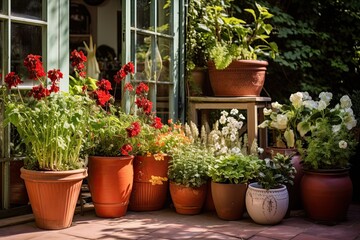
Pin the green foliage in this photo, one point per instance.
(54, 130)
(235, 39)
(276, 171)
(234, 168)
(189, 165)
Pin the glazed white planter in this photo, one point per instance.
(266, 206)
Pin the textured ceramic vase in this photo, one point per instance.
(53, 196)
(266, 206)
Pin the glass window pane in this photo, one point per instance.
(164, 17)
(2, 7)
(164, 46)
(28, 8)
(143, 11)
(142, 46)
(25, 39)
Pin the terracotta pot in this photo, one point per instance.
(188, 200)
(240, 78)
(199, 84)
(53, 195)
(110, 184)
(326, 194)
(229, 200)
(266, 206)
(295, 202)
(150, 189)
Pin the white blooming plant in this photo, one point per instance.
(328, 142)
(283, 119)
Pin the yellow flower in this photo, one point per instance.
(157, 180)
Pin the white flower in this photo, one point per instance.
(260, 150)
(225, 131)
(345, 102)
(276, 105)
(350, 124)
(234, 111)
(264, 124)
(322, 105)
(235, 150)
(311, 104)
(306, 96)
(222, 119)
(239, 125)
(326, 97)
(342, 144)
(217, 146)
(281, 122)
(223, 150)
(336, 128)
(232, 137)
(241, 117)
(224, 113)
(267, 112)
(296, 99)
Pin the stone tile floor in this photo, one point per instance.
(167, 224)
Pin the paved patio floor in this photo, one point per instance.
(167, 224)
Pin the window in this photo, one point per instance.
(29, 27)
(151, 33)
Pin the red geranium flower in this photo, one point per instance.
(104, 84)
(142, 88)
(128, 87)
(77, 59)
(157, 123)
(12, 80)
(126, 149)
(134, 129)
(123, 72)
(55, 75)
(34, 66)
(39, 92)
(145, 104)
(102, 97)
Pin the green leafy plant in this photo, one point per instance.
(234, 39)
(234, 168)
(189, 165)
(276, 171)
(53, 125)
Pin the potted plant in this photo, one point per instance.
(112, 135)
(188, 175)
(237, 46)
(53, 125)
(267, 199)
(234, 166)
(326, 149)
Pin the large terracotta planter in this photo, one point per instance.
(53, 195)
(326, 194)
(266, 206)
(229, 200)
(110, 184)
(240, 78)
(188, 200)
(150, 187)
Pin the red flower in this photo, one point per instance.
(128, 87)
(104, 84)
(102, 97)
(157, 123)
(125, 149)
(82, 74)
(142, 88)
(134, 129)
(84, 88)
(12, 80)
(54, 75)
(125, 70)
(54, 88)
(34, 66)
(39, 92)
(129, 68)
(145, 104)
(77, 59)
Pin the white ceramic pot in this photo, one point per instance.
(266, 206)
